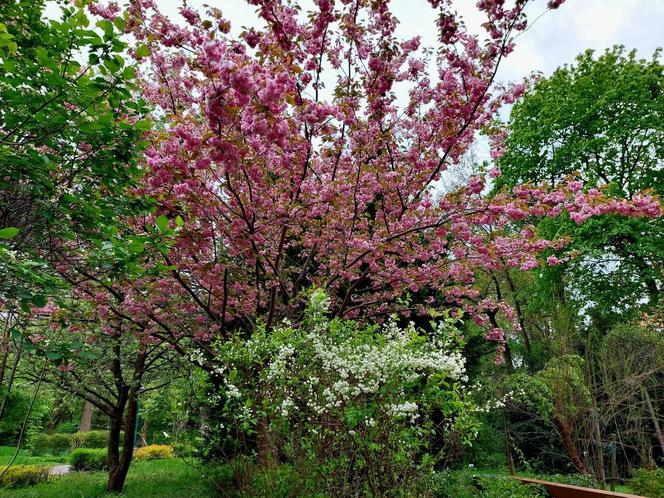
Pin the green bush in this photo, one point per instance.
(154, 452)
(51, 443)
(185, 450)
(359, 399)
(648, 482)
(92, 439)
(23, 475)
(583, 480)
(243, 476)
(467, 484)
(69, 427)
(89, 459)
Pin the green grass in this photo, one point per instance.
(567, 478)
(149, 479)
(170, 478)
(7, 453)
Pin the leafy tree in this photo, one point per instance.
(70, 132)
(599, 121)
(603, 120)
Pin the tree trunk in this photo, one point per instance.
(114, 448)
(570, 448)
(599, 451)
(519, 311)
(86, 418)
(10, 380)
(4, 355)
(4, 348)
(119, 463)
(267, 450)
(653, 417)
(144, 432)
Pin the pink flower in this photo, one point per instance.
(552, 261)
(106, 11)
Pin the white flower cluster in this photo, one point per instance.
(355, 368)
(405, 410)
(232, 391)
(321, 373)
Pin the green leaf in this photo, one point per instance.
(142, 51)
(137, 247)
(162, 223)
(143, 125)
(9, 232)
(107, 26)
(39, 301)
(53, 355)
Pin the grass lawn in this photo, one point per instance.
(151, 479)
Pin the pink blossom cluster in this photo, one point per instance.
(279, 189)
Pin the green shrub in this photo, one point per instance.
(583, 480)
(243, 476)
(648, 482)
(154, 452)
(359, 399)
(184, 450)
(467, 484)
(69, 427)
(92, 439)
(23, 475)
(51, 443)
(89, 459)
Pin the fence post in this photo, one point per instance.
(613, 462)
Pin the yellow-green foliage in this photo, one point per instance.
(22, 475)
(648, 482)
(154, 451)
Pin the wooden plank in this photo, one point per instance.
(558, 490)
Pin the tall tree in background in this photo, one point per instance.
(603, 119)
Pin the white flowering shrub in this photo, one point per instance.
(362, 404)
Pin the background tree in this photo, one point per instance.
(600, 120)
(603, 119)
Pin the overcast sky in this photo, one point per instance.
(553, 40)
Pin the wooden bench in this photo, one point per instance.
(558, 490)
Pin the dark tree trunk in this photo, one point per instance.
(114, 450)
(4, 355)
(519, 311)
(5, 348)
(119, 462)
(653, 417)
(10, 379)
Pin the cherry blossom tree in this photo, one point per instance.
(267, 188)
(307, 154)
